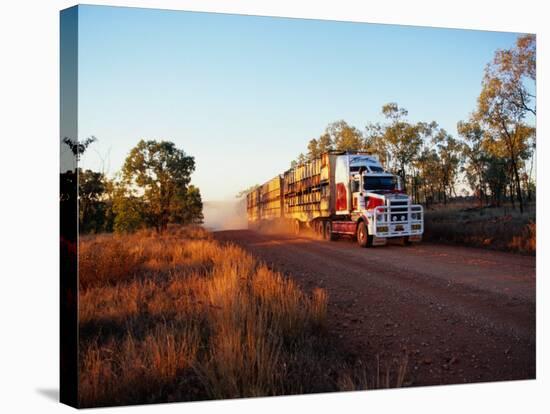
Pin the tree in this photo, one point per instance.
(78, 148)
(338, 136)
(498, 139)
(68, 179)
(398, 142)
(319, 146)
(496, 176)
(325, 143)
(192, 208)
(300, 160)
(426, 164)
(129, 210)
(448, 151)
(313, 150)
(503, 105)
(94, 214)
(476, 157)
(513, 67)
(502, 115)
(157, 174)
(344, 137)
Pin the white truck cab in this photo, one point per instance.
(376, 198)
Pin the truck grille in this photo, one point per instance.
(399, 210)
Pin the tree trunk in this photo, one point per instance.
(513, 159)
(403, 177)
(518, 186)
(481, 190)
(480, 196)
(530, 177)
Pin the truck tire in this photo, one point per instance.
(328, 234)
(296, 227)
(364, 239)
(318, 226)
(322, 230)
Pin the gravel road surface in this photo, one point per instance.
(460, 314)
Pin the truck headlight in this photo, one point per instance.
(415, 226)
(382, 229)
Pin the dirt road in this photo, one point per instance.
(460, 314)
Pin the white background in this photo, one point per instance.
(29, 135)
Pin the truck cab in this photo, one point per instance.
(378, 206)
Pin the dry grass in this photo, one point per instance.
(387, 374)
(181, 317)
(494, 228)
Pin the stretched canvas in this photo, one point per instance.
(263, 206)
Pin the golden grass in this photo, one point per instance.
(387, 374)
(526, 241)
(179, 316)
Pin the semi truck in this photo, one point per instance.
(338, 193)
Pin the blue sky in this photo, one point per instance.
(245, 94)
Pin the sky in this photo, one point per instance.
(245, 94)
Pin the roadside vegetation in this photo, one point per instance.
(181, 317)
(500, 228)
(152, 190)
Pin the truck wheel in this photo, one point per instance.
(319, 229)
(363, 237)
(296, 227)
(406, 241)
(327, 229)
(329, 235)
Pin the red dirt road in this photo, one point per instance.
(460, 314)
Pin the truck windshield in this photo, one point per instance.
(379, 183)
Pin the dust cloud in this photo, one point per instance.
(225, 215)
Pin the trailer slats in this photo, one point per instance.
(302, 193)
